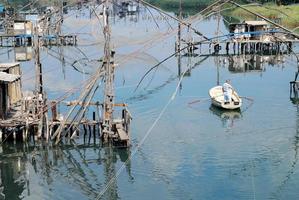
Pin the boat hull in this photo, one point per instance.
(217, 98)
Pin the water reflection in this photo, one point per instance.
(252, 62)
(78, 166)
(126, 8)
(23, 53)
(227, 117)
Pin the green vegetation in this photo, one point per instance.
(287, 16)
(186, 4)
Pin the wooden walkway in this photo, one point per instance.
(27, 40)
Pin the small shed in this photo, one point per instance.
(11, 77)
(23, 27)
(257, 28)
(132, 7)
(252, 30)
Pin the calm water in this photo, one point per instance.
(194, 151)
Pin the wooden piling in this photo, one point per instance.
(14, 135)
(94, 126)
(1, 134)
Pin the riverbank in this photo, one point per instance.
(287, 16)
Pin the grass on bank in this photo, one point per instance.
(287, 16)
(191, 4)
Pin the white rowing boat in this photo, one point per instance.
(217, 98)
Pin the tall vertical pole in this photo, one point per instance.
(39, 86)
(60, 19)
(109, 79)
(38, 67)
(179, 28)
(58, 34)
(217, 43)
(179, 43)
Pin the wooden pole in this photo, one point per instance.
(38, 68)
(1, 134)
(179, 29)
(109, 80)
(47, 126)
(94, 126)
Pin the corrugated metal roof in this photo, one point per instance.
(256, 23)
(8, 78)
(5, 66)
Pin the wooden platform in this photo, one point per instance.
(27, 40)
(15, 40)
(123, 136)
(8, 78)
(60, 40)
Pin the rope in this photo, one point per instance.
(109, 184)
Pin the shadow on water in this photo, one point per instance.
(227, 117)
(88, 167)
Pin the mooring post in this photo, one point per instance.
(50, 131)
(26, 127)
(40, 128)
(234, 47)
(24, 134)
(85, 131)
(89, 130)
(227, 47)
(94, 126)
(14, 134)
(54, 110)
(1, 134)
(35, 137)
(70, 132)
(47, 126)
(242, 48)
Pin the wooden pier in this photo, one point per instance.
(34, 116)
(28, 119)
(26, 40)
(15, 40)
(253, 46)
(58, 40)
